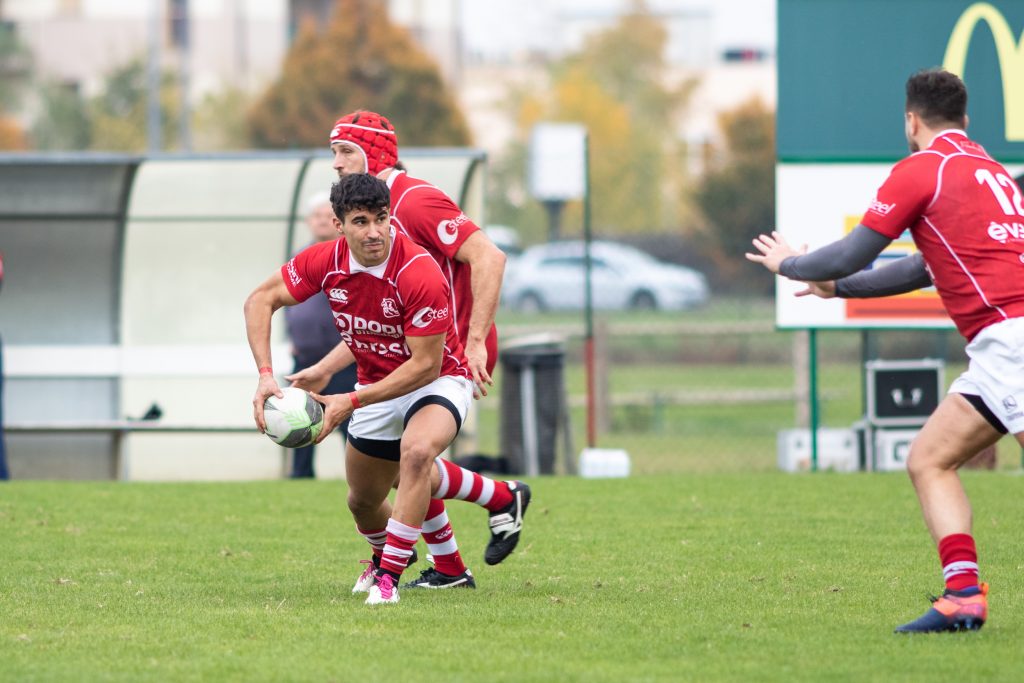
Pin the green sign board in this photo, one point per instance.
(843, 65)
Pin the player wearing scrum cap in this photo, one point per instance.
(366, 142)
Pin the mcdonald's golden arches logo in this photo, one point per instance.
(1010, 52)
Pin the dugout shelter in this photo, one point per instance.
(125, 279)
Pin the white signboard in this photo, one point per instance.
(820, 203)
(558, 155)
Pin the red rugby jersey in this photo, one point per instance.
(966, 215)
(376, 308)
(432, 220)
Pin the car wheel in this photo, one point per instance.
(530, 302)
(643, 301)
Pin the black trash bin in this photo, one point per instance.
(532, 401)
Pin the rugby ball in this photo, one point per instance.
(295, 420)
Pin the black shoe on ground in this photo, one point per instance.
(431, 578)
(507, 523)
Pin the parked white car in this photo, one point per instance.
(505, 238)
(550, 277)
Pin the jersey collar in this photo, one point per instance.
(392, 177)
(378, 270)
(950, 131)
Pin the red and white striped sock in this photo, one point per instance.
(398, 548)
(461, 484)
(440, 538)
(376, 538)
(959, 561)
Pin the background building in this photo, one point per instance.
(481, 47)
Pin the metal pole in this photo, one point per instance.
(241, 47)
(812, 338)
(554, 207)
(869, 430)
(184, 75)
(588, 305)
(154, 124)
(528, 403)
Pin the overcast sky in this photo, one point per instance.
(507, 25)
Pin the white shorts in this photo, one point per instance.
(377, 429)
(996, 372)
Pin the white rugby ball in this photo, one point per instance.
(295, 420)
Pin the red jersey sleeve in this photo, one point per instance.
(903, 197)
(424, 293)
(305, 273)
(433, 220)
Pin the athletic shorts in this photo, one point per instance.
(377, 429)
(996, 372)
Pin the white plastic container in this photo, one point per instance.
(838, 450)
(599, 463)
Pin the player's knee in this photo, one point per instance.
(417, 459)
(360, 503)
(916, 465)
(928, 458)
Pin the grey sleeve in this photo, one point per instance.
(900, 276)
(839, 259)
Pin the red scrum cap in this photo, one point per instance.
(373, 134)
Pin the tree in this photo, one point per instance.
(219, 121)
(12, 137)
(360, 61)
(116, 118)
(113, 120)
(737, 195)
(618, 88)
(63, 121)
(118, 114)
(15, 66)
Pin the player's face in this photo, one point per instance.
(348, 159)
(368, 235)
(321, 223)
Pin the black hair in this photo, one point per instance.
(938, 97)
(359, 191)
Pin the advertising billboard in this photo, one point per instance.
(842, 69)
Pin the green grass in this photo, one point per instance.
(663, 438)
(752, 577)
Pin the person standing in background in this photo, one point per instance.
(312, 333)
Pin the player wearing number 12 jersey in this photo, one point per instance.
(966, 216)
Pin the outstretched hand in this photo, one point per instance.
(823, 290)
(773, 250)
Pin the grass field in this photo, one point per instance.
(663, 438)
(708, 577)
